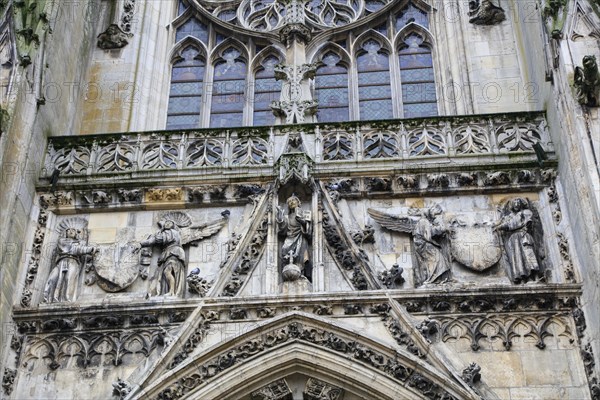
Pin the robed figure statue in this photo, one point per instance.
(175, 232)
(517, 225)
(296, 227)
(428, 231)
(72, 253)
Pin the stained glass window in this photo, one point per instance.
(418, 81)
(331, 84)
(228, 90)
(266, 90)
(374, 89)
(185, 97)
(411, 14)
(192, 27)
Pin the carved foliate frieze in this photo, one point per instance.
(195, 338)
(251, 255)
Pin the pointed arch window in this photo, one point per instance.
(417, 76)
(266, 90)
(331, 89)
(185, 98)
(228, 91)
(374, 89)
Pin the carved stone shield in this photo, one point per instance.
(477, 246)
(117, 267)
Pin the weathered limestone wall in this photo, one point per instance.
(127, 87)
(41, 105)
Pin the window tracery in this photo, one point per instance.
(228, 90)
(331, 89)
(374, 88)
(266, 90)
(417, 76)
(187, 87)
(387, 72)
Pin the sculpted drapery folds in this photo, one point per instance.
(175, 232)
(429, 237)
(519, 243)
(72, 253)
(296, 227)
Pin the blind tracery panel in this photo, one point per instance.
(331, 89)
(374, 89)
(228, 90)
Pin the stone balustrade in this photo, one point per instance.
(414, 141)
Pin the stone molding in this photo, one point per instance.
(306, 330)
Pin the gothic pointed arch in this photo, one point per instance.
(332, 84)
(417, 73)
(188, 75)
(373, 53)
(229, 76)
(298, 342)
(265, 88)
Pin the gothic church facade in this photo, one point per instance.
(300, 199)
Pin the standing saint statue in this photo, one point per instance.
(72, 254)
(297, 229)
(519, 244)
(429, 235)
(175, 232)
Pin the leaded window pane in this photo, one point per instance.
(183, 121)
(416, 60)
(419, 92)
(333, 114)
(376, 109)
(332, 97)
(185, 98)
(331, 84)
(186, 88)
(374, 78)
(374, 92)
(226, 120)
(229, 90)
(184, 105)
(374, 89)
(192, 27)
(420, 110)
(417, 75)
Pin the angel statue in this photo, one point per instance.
(428, 232)
(71, 255)
(175, 232)
(517, 223)
(297, 228)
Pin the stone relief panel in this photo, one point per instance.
(466, 240)
(139, 253)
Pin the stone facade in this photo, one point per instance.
(450, 254)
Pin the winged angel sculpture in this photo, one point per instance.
(428, 232)
(175, 232)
